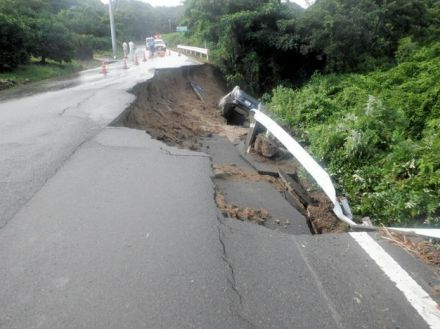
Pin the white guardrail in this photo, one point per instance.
(194, 51)
(321, 177)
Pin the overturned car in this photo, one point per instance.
(238, 103)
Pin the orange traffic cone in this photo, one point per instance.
(136, 62)
(125, 67)
(104, 68)
(145, 57)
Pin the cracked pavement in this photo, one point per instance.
(111, 229)
(42, 125)
(131, 242)
(135, 240)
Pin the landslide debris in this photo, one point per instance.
(257, 216)
(179, 107)
(169, 109)
(317, 208)
(234, 173)
(426, 251)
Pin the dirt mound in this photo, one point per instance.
(234, 173)
(170, 110)
(256, 216)
(322, 217)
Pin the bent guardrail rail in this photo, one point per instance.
(321, 177)
(194, 50)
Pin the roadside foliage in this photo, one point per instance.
(63, 30)
(356, 81)
(377, 133)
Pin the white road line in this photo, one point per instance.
(417, 297)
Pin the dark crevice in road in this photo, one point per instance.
(77, 105)
(231, 280)
(64, 111)
(235, 309)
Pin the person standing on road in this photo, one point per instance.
(150, 46)
(132, 49)
(125, 48)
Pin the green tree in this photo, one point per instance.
(13, 36)
(51, 40)
(350, 33)
(89, 22)
(134, 19)
(254, 42)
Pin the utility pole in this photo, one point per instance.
(112, 27)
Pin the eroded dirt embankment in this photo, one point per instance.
(169, 109)
(179, 107)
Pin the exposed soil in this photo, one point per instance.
(234, 173)
(322, 217)
(179, 107)
(257, 216)
(169, 109)
(417, 246)
(319, 212)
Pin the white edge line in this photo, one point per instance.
(417, 297)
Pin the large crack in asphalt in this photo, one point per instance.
(177, 117)
(235, 309)
(225, 258)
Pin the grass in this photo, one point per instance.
(35, 71)
(109, 53)
(173, 39)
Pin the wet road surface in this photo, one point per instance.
(111, 229)
(40, 131)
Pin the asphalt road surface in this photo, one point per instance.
(40, 131)
(106, 228)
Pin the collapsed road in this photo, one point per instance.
(175, 229)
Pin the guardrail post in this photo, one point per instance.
(253, 130)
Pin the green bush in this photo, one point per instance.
(13, 36)
(84, 46)
(377, 133)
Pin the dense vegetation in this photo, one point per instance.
(64, 29)
(356, 81)
(377, 132)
